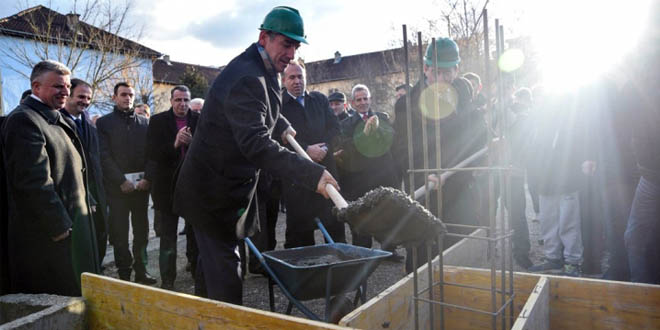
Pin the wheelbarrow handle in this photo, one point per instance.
(324, 231)
(286, 292)
(335, 196)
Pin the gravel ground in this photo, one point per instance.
(255, 291)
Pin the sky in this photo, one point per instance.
(212, 32)
(576, 37)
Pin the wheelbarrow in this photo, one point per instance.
(320, 271)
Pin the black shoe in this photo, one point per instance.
(125, 276)
(523, 261)
(549, 264)
(145, 278)
(167, 285)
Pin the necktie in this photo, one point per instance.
(365, 117)
(79, 127)
(301, 100)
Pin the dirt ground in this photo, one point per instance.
(255, 287)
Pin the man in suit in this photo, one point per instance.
(366, 138)
(74, 109)
(316, 126)
(168, 138)
(50, 233)
(216, 186)
(123, 137)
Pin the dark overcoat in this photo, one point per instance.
(122, 140)
(162, 158)
(234, 139)
(315, 123)
(46, 179)
(90, 141)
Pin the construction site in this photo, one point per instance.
(466, 276)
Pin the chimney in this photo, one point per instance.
(337, 57)
(72, 20)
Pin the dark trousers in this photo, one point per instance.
(518, 218)
(192, 252)
(615, 203)
(643, 232)
(300, 226)
(169, 224)
(101, 234)
(134, 204)
(220, 261)
(265, 239)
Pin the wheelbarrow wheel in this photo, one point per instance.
(340, 305)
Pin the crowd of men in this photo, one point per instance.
(73, 182)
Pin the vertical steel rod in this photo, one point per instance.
(425, 143)
(486, 81)
(441, 280)
(415, 286)
(493, 230)
(411, 162)
(429, 267)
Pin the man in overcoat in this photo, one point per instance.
(122, 137)
(316, 127)
(74, 109)
(50, 231)
(168, 137)
(366, 159)
(216, 186)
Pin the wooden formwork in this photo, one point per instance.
(541, 302)
(115, 304)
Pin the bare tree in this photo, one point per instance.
(459, 20)
(93, 40)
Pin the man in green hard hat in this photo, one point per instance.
(216, 190)
(452, 110)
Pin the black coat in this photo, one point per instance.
(367, 161)
(233, 140)
(315, 123)
(4, 256)
(122, 138)
(90, 141)
(46, 178)
(162, 158)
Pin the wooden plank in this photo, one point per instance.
(535, 315)
(114, 304)
(393, 307)
(598, 304)
(575, 303)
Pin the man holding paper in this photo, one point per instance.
(122, 138)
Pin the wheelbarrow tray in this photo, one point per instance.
(304, 271)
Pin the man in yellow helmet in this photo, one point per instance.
(216, 190)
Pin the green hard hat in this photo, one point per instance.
(285, 20)
(446, 52)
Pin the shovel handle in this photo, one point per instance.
(339, 201)
(297, 147)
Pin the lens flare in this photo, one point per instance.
(511, 60)
(375, 144)
(438, 105)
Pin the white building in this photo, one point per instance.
(96, 56)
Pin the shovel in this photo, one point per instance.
(387, 214)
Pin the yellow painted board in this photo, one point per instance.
(115, 304)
